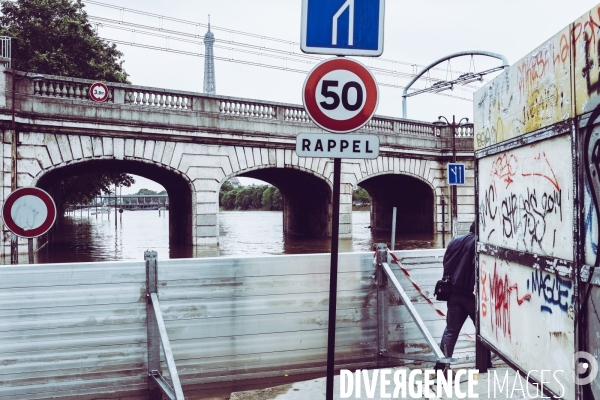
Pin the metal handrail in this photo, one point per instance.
(176, 392)
(157, 337)
(413, 312)
(386, 274)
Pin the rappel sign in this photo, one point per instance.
(337, 146)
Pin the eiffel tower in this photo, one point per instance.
(210, 86)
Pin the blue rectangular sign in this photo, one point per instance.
(456, 174)
(342, 27)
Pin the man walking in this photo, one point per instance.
(459, 265)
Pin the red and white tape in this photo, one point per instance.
(416, 286)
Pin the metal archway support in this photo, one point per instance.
(462, 79)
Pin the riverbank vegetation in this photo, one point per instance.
(254, 197)
(268, 198)
(148, 192)
(361, 201)
(82, 189)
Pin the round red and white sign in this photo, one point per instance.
(29, 212)
(340, 95)
(99, 92)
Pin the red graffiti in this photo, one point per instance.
(500, 290)
(484, 296)
(586, 29)
(543, 169)
(533, 68)
(564, 50)
(505, 168)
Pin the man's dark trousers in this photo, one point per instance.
(460, 307)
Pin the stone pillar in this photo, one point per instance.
(345, 209)
(206, 228)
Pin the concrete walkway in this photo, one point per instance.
(315, 389)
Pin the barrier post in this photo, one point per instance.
(154, 392)
(382, 302)
(393, 244)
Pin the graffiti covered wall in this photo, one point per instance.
(527, 194)
(531, 94)
(529, 314)
(585, 36)
(526, 200)
(558, 80)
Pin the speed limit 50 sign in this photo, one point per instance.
(340, 95)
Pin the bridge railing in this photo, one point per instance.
(67, 88)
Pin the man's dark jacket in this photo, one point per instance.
(459, 264)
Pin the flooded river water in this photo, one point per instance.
(82, 238)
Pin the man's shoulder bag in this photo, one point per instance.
(443, 287)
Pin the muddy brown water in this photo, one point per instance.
(82, 238)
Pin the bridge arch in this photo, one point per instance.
(413, 197)
(177, 185)
(415, 186)
(45, 159)
(306, 197)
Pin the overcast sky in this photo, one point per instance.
(416, 32)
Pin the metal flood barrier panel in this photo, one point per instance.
(72, 329)
(537, 140)
(79, 330)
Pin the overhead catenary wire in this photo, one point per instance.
(147, 29)
(278, 53)
(261, 52)
(217, 28)
(263, 38)
(251, 63)
(242, 47)
(231, 58)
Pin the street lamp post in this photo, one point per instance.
(442, 122)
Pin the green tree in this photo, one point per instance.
(146, 192)
(360, 197)
(261, 197)
(228, 200)
(226, 189)
(256, 196)
(271, 199)
(81, 189)
(227, 186)
(55, 37)
(243, 200)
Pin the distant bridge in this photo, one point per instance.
(129, 202)
(191, 143)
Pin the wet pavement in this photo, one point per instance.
(487, 387)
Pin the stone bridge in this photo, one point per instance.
(191, 143)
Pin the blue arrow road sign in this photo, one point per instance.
(342, 27)
(456, 174)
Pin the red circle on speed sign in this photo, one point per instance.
(29, 212)
(340, 95)
(99, 92)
